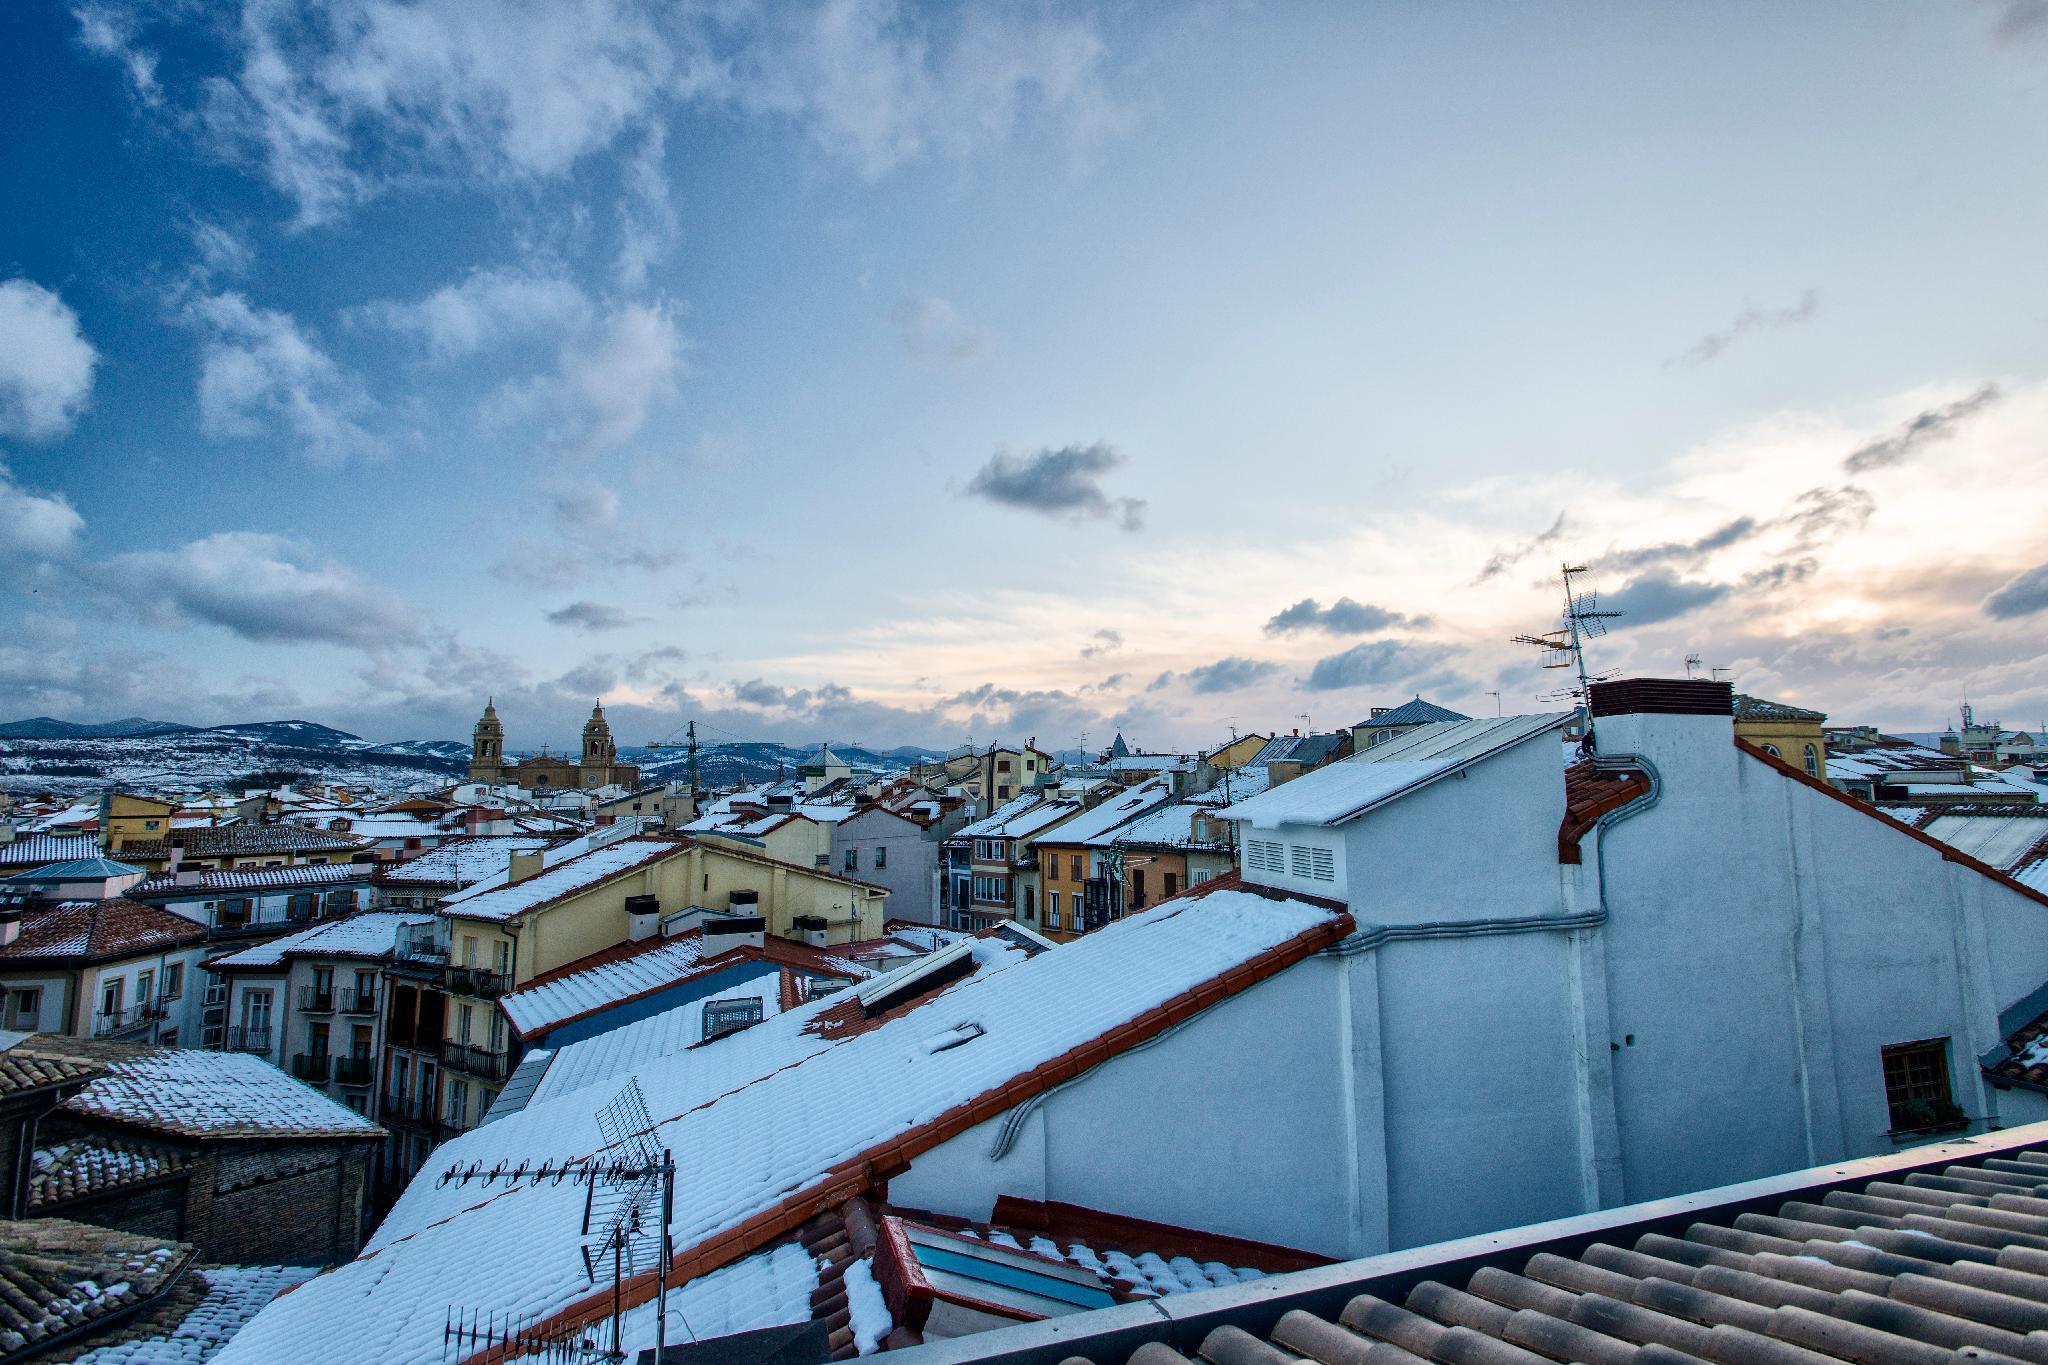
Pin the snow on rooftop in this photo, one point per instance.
(536, 1008)
(2000, 840)
(1116, 810)
(572, 875)
(372, 933)
(1349, 787)
(234, 1294)
(757, 1119)
(1021, 823)
(768, 1289)
(214, 1094)
(580, 1065)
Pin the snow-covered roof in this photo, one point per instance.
(770, 1120)
(1347, 789)
(233, 1295)
(1114, 811)
(564, 879)
(254, 879)
(2002, 840)
(48, 848)
(213, 1095)
(1022, 821)
(371, 934)
(581, 1065)
(1172, 825)
(101, 930)
(463, 862)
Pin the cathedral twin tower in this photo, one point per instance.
(599, 766)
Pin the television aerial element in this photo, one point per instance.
(1564, 646)
(628, 1205)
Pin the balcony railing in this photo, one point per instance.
(312, 1066)
(407, 1108)
(314, 1000)
(241, 1038)
(478, 981)
(128, 1020)
(476, 1061)
(358, 1001)
(353, 1070)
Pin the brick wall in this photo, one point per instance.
(296, 1203)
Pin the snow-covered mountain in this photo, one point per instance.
(70, 759)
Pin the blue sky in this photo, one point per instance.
(878, 373)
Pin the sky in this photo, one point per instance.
(915, 375)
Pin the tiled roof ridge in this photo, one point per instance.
(661, 848)
(878, 1163)
(1588, 797)
(1948, 853)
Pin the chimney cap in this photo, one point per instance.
(1663, 697)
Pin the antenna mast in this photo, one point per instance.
(1565, 647)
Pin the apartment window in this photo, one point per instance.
(501, 957)
(316, 1038)
(1074, 867)
(25, 1009)
(366, 984)
(110, 997)
(1812, 761)
(1002, 793)
(1052, 909)
(852, 859)
(145, 986)
(1172, 884)
(458, 1104)
(1003, 765)
(256, 1011)
(1772, 750)
(174, 980)
(881, 857)
(1916, 1087)
(465, 1020)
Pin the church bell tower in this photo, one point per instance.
(599, 752)
(487, 746)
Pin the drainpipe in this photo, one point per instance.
(1624, 811)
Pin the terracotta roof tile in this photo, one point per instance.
(98, 930)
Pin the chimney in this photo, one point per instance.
(643, 917)
(10, 924)
(1685, 726)
(523, 867)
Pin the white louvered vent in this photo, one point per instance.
(1322, 865)
(1261, 855)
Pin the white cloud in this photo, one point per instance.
(633, 362)
(46, 364)
(34, 525)
(483, 308)
(266, 588)
(334, 101)
(260, 374)
(107, 32)
(933, 329)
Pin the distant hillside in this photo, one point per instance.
(304, 732)
(747, 762)
(43, 727)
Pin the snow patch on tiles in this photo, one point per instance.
(756, 1120)
(213, 1094)
(539, 1007)
(869, 1311)
(234, 1294)
(768, 1289)
(580, 1065)
(577, 874)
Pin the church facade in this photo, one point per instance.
(598, 767)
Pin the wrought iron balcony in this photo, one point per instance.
(241, 1038)
(480, 982)
(476, 1061)
(358, 1001)
(312, 1066)
(353, 1070)
(129, 1020)
(314, 1000)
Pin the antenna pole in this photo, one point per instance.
(692, 769)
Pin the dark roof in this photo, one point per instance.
(85, 1166)
(213, 841)
(98, 930)
(59, 1279)
(24, 1069)
(1908, 1259)
(91, 869)
(1416, 712)
(1757, 708)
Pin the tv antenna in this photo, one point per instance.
(1583, 619)
(1692, 665)
(1496, 702)
(628, 1205)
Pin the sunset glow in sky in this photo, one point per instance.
(903, 375)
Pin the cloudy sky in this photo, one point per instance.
(898, 375)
